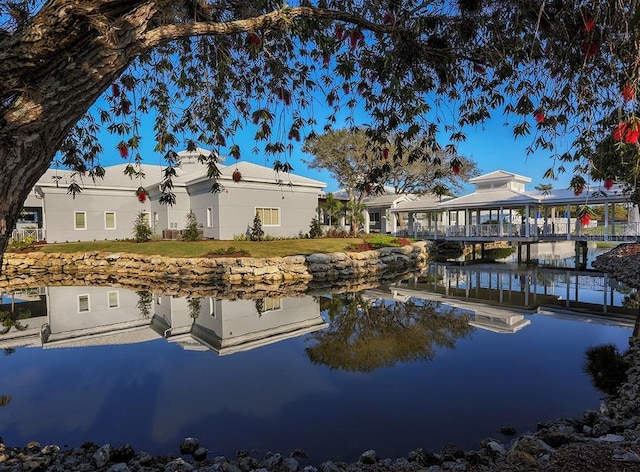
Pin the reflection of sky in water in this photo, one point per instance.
(153, 394)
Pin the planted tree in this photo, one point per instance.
(141, 229)
(256, 233)
(190, 231)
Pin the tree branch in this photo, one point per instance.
(278, 19)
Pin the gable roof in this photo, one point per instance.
(114, 177)
(499, 175)
(250, 173)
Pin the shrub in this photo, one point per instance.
(141, 230)
(316, 229)
(27, 243)
(229, 251)
(338, 233)
(361, 247)
(190, 232)
(256, 233)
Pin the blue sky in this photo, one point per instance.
(491, 145)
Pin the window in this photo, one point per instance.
(212, 307)
(147, 218)
(271, 304)
(209, 217)
(80, 220)
(83, 303)
(269, 216)
(374, 218)
(113, 299)
(109, 220)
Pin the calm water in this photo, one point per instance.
(393, 369)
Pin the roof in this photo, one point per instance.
(387, 200)
(114, 177)
(499, 175)
(512, 199)
(250, 173)
(191, 172)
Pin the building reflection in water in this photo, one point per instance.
(93, 316)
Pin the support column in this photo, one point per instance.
(527, 231)
(606, 221)
(500, 230)
(568, 222)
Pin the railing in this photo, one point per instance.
(22, 234)
(627, 232)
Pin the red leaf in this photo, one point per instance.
(632, 136)
(620, 131)
(123, 149)
(628, 92)
(609, 183)
(254, 39)
(585, 219)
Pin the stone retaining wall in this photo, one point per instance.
(24, 268)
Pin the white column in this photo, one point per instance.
(568, 223)
(500, 231)
(606, 222)
(527, 233)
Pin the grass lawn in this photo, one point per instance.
(285, 247)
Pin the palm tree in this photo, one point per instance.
(332, 207)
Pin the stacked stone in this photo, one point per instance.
(98, 266)
(622, 263)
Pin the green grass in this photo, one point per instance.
(284, 247)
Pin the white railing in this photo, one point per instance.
(22, 234)
(616, 232)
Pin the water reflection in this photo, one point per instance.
(366, 333)
(111, 364)
(524, 287)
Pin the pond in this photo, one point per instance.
(449, 355)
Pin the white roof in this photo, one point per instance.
(192, 172)
(250, 173)
(500, 175)
(114, 177)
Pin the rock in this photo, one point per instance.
(242, 453)
(508, 430)
(423, 457)
(122, 454)
(309, 468)
(178, 465)
(369, 457)
(272, 461)
(329, 466)
(289, 464)
(299, 454)
(51, 449)
(34, 464)
(496, 447)
(102, 456)
(450, 452)
(628, 456)
(33, 447)
(611, 438)
(119, 468)
(189, 445)
(200, 454)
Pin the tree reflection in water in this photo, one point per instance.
(367, 334)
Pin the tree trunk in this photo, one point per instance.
(63, 61)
